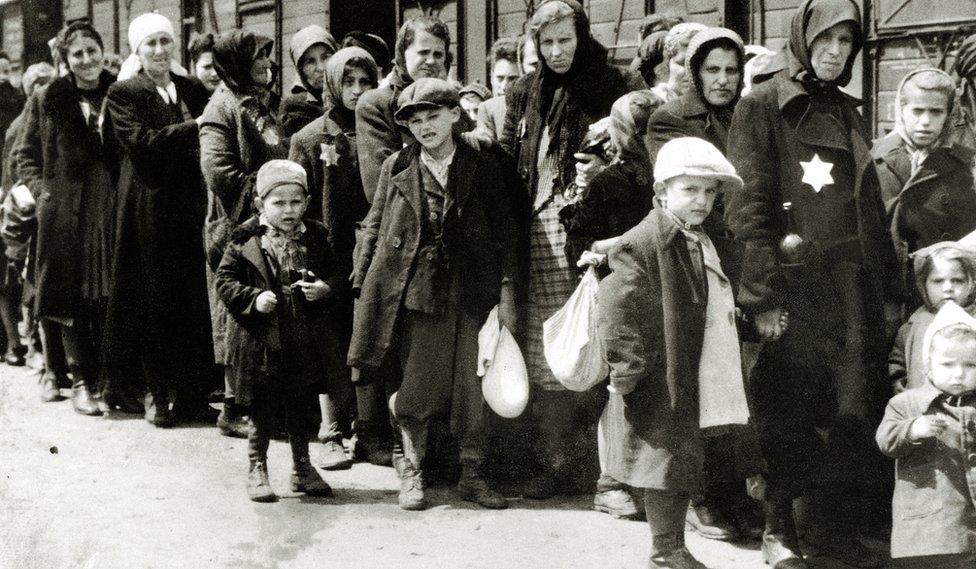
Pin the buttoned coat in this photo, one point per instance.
(937, 204)
(652, 316)
(935, 479)
(479, 236)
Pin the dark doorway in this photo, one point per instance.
(737, 17)
(375, 17)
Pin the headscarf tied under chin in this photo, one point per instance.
(234, 55)
(918, 155)
(139, 29)
(335, 70)
(811, 19)
(628, 125)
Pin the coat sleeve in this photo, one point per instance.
(223, 169)
(892, 434)
(161, 147)
(376, 139)
(628, 298)
(230, 284)
(514, 110)
(28, 149)
(486, 122)
(661, 128)
(369, 228)
(501, 220)
(753, 211)
(897, 364)
(304, 154)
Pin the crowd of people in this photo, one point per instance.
(321, 266)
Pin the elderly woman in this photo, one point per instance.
(311, 47)
(326, 148)
(158, 317)
(797, 139)
(238, 134)
(548, 115)
(62, 159)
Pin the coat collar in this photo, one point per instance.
(406, 175)
(925, 395)
(789, 90)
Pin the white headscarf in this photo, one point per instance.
(139, 29)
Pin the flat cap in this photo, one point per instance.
(428, 93)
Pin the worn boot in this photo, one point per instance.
(333, 456)
(618, 503)
(231, 422)
(258, 485)
(473, 488)
(304, 477)
(669, 552)
(780, 544)
(81, 400)
(49, 388)
(411, 487)
(710, 523)
(15, 355)
(158, 412)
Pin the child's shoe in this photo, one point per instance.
(474, 488)
(411, 488)
(258, 485)
(304, 478)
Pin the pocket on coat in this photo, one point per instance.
(917, 492)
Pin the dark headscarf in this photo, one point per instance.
(811, 19)
(234, 54)
(628, 125)
(650, 58)
(335, 70)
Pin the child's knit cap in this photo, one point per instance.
(967, 245)
(689, 156)
(427, 93)
(277, 173)
(951, 314)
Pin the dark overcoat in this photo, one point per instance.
(244, 273)
(159, 292)
(937, 204)
(298, 110)
(54, 156)
(685, 116)
(652, 316)
(479, 236)
(932, 505)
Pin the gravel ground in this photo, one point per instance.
(93, 493)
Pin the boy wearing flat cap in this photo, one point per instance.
(434, 256)
(278, 278)
(667, 315)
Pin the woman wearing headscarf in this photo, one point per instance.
(797, 141)
(649, 61)
(62, 159)
(238, 134)
(549, 112)
(158, 318)
(310, 50)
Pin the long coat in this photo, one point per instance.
(937, 204)
(479, 236)
(159, 294)
(933, 504)
(652, 317)
(259, 353)
(56, 157)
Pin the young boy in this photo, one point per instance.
(929, 431)
(434, 255)
(667, 314)
(926, 181)
(277, 278)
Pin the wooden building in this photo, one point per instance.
(902, 34)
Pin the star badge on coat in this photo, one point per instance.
(816, 173)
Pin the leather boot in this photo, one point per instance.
(780, 544)
(669, 552)
(304, 477)
(49, 388)
(473, 488)
(158, 412)
(411, 495)
(81, 400)
(258, 485)
(231, 423)
(710, 523)
(618, 503)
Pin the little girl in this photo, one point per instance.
(944, 271)
(929, 431)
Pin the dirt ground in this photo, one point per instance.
(97, 493)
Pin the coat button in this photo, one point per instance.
(433, 216)
(430, 256)
(971, 458)
(397, 242)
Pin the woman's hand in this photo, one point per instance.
(589, 258)
(772, 323)
(266, 302)
(314, 290)
(587, 167)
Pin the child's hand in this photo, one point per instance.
(266, 302)
(927, 426)
(314, 290)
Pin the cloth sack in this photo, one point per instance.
(506, 380)
(574, 350)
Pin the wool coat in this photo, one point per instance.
(937, 204)
(158, 310)
(58, 158)
(298, 110)
(478, 233)
(652, 317)
(491, 116)
(933, 504)
(258, 353)
(906, 365)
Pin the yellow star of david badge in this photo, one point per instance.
(816, 173)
